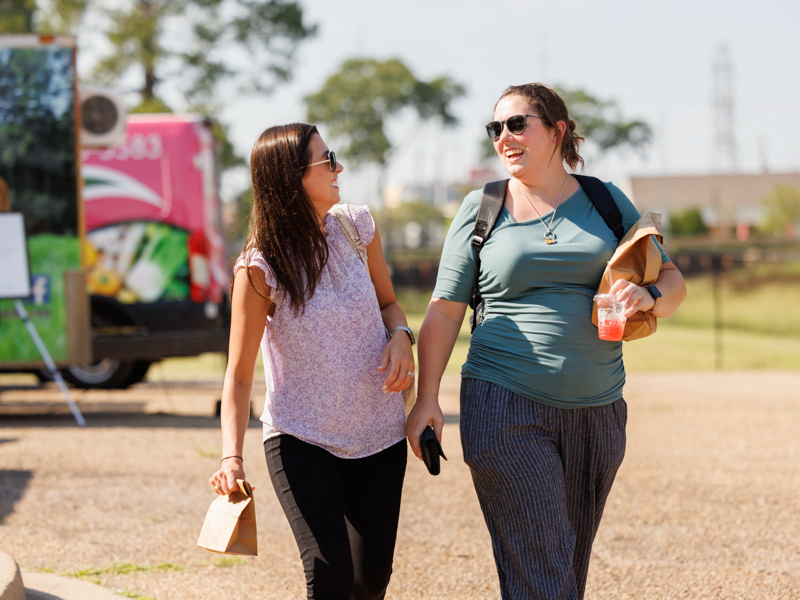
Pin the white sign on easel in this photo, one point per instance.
(15, 284)
(15, 279)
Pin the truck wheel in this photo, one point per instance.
(109, 373)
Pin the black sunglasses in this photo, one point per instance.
(331, 160)
(516, 125)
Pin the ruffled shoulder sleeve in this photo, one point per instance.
(254, 258)
(365, 225)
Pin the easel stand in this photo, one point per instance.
(15, 283)
(51, 366)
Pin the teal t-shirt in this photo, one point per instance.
(537, 338)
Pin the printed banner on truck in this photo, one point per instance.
(152, 214)
(38, 167)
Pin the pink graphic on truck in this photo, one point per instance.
(152, 214)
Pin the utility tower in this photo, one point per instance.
(723, 152)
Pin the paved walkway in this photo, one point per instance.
(705, 505)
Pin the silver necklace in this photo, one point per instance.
(549, 236)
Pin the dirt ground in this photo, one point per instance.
(706, 504)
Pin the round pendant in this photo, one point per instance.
(549, 237)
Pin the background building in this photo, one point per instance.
(727, 203)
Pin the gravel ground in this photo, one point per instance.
(705, 504)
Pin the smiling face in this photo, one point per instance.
(321, 185)
(532, 150)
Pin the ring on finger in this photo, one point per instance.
(410, 373)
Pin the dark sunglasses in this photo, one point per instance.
(331, 160)
(515, 124)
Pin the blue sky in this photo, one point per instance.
(655, 58)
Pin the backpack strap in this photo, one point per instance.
(604, 203)
(494, 194)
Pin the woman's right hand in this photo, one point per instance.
(426, 413)
(224, 480)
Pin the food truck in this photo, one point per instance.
(125, 242)
(157, 268)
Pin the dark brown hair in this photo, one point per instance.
(284, 225)
(550, 106)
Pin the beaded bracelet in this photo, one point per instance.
(227, 457)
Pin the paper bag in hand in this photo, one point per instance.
(230, 525)
(638, 260)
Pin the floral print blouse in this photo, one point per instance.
(321, 366)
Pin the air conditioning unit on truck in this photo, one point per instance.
(127, 260)
(157, 267)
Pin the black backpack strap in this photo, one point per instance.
(604, 203)
(494, 194)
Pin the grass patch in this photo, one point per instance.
(226, 562)
(156, 519)
(760, 329)
(676, 347)
(129, 594)
(206, 367)
(740, 303)
(93, 575)
(210, 452)
(121, 569)
(413, 301)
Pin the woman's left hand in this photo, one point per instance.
(224, 480)
(633, 297)
(397, 361)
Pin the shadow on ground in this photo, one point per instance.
(12, 486)
(118, 420)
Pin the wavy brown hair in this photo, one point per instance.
(551, 107)
(284, 225)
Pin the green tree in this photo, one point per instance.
(782, 210)
(601, 122)
(37, 136)
(16, 16)
(197, 47)
(59, 16)
(357, 101)
(687, 222)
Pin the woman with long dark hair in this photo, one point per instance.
(334, 418)
(542, 415)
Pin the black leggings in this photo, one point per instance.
(343, 513)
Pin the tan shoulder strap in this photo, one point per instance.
(351, 232)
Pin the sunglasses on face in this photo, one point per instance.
(515, 124)
(331, 160)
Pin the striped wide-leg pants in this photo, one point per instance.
(542, 475)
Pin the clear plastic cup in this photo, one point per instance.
(610, 317)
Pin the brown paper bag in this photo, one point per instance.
(638, 260)
(230, 524)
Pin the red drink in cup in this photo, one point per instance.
(610, 317)
(611, 330)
